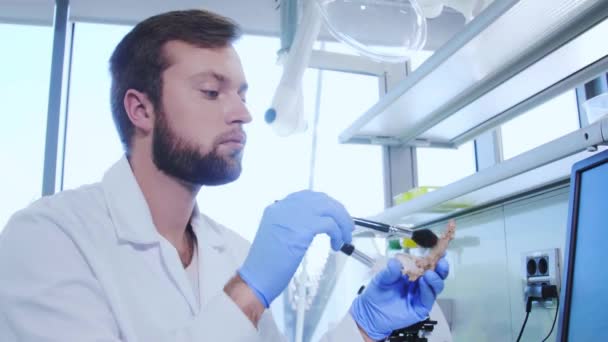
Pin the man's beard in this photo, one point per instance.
(177, 158)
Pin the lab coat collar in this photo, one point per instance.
(131, 214)
(206, 230)
(127, 205)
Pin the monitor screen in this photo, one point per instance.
(584, 307)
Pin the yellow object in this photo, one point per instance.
(446, 207)
(409, 243)
(401, 243)
(413, 193)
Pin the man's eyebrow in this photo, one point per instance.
(209, 74)
(220, 78)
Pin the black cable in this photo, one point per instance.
(528, 309)
(554, 319)
(547, 292)
(523, 326)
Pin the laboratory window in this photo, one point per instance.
(25, 66)
(438, 167)
(546, 122)
(352, 173)
(92, 144)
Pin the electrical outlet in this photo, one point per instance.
(540, 268)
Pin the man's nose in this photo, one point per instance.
(237, 111)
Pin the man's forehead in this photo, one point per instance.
(207, 62)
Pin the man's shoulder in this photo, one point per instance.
(45, 245)
(64, 209)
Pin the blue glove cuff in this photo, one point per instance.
(254, 289)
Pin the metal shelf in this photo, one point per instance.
(541, 167)
(513, 56)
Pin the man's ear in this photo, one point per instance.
(140, 110)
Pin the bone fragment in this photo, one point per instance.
(414, 267)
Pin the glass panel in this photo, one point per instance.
(25, 66)
(549, 121)
(440, 167)
(432, 162)
(92, 144)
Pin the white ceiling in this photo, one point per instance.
(255, 16)
(265, 20)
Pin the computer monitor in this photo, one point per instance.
(583, 314)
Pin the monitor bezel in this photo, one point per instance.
(571, 233)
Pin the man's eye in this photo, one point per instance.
(212, 94)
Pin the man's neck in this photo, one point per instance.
(171, 202)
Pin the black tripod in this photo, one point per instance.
(413, 333)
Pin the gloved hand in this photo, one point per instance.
(391, 301)
(286, 230)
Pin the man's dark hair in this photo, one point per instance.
(138, 61)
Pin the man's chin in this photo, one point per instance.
(229, 172)
(228, 177)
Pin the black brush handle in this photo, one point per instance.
(347, 248)
(385, 228)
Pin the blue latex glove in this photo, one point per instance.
(286, 230)
(391, 301)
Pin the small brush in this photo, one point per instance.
(422, 237)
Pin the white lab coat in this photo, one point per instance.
(89, 265)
